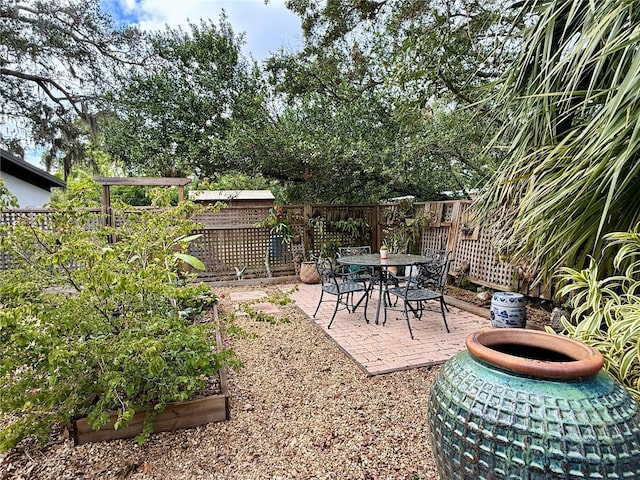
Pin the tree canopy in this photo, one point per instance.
(382, 111)
(381, 101)
(172, 115)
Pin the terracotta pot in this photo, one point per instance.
(531, 405)
(309, 273)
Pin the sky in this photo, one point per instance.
(267, 27)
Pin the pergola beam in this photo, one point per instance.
(108, 182)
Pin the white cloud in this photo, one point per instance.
(267, 27)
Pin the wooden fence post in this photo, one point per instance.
(307, 211)
(376, 229)
(455, 224)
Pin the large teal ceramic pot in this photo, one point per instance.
(529, 405)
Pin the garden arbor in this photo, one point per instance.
(108, 182)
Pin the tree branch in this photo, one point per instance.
(43, 83)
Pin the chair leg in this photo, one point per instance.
(443, 305)
(364, 297)
(406, 317)
(349, 296)
(319, 302)
(335, 310)
(357, 304)
(366, 304)
(385, 316)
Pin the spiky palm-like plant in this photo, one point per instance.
(572, 99)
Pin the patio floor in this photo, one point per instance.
(387, 348)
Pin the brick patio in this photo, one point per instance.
(386, 348)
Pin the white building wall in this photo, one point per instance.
(29, 196)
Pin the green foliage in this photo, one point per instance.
(88, 327)
(7, 199)
(172, 117)
(276, 298)
(81, 191)
(355, 228)
(379, 100)
(278, 224)
(571, 174)
(606, 312)
(281, 299)
(405, 226)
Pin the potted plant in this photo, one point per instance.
(280, 229)
(306, 269)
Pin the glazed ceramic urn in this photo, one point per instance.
(508, 309)
(529, 405)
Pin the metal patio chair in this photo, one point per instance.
(356, 273)
(427, 284)
(342, 290)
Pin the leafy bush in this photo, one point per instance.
(606, 312)
(88, 326)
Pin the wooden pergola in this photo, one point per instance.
(108, 182)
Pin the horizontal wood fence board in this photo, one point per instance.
(176, 416)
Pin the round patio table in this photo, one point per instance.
(373, 260)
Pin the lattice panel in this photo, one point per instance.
(447, 211)
(325, 223)
(480, 256)
(231, 240)
(223, 249)
(436, 237)
(12, 217)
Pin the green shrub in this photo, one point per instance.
(606, 313)
(88, 327)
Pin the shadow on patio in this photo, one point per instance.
(386, 348)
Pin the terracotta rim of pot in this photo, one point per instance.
(586, 361)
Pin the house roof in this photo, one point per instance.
(16, 167)
(226, 195)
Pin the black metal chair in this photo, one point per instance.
(435, 255)
(356, 273)
(342, 290)
(427, 284)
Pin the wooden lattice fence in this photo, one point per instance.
(474, 256)
(230, 239)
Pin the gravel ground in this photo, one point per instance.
(300, 409)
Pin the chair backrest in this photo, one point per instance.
(354, 270)
(344, 251)
(432, 275)
(325, 270)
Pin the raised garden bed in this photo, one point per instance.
(176, 415)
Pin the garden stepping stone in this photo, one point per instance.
(247, 296)
(266, 308)
(251, 296)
